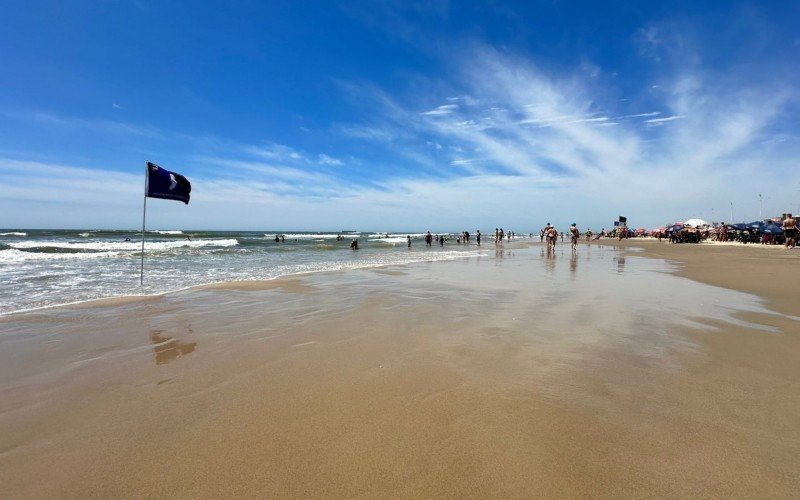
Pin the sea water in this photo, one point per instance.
(41, 268)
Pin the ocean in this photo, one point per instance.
(42, 268)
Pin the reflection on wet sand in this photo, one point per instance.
(168, 349)
(550, 261)
(620, 264)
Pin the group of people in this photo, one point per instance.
(551, 234)
(500, 235)
(766, 232)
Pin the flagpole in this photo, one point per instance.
(144, 215)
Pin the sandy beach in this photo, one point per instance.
(636, 370)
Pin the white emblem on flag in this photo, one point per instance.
(174, 182)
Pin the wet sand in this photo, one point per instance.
(515, 374)
(771, 272)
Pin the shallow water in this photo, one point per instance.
(43, 268)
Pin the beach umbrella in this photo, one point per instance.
(696, 223)
(772, 229)
(675, 228)
(756, 224)
(741, 226)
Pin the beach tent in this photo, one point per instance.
(772, 229)
(696, 223)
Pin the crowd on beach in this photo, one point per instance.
(775, 231)
(779, 230)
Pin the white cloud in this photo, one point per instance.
(641, 115)
(659, 121)
(544, 147)
(96, 125)
(444, 109)
(327, 160)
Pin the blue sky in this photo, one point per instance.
(398, 115)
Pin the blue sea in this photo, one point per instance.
(42, 268)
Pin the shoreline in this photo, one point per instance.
(642, 243)
(100, 301)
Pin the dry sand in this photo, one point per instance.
(510, 375)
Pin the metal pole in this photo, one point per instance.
(144, 215)
(731, 212)
(760, 208)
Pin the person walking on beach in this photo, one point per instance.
(574, 234)
(428, 239)
(790, 231)
(502, 235)
(552, 238)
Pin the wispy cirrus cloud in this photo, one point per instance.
(98, 125)
(551, 134)
(497, 132)
(444, 109)
(660, 121)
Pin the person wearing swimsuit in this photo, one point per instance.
(790, 231)
(574, 234)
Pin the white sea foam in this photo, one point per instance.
(395, 235)
(157, 231)
(302, 236)
(124, 245)
(393, 240)
(13, 233)
(12, 255)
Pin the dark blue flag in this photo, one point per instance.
(167, 185)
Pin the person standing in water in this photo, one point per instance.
(552, 238)
(574, 234)
(428, 239)
(408, 238)
(478, 237)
